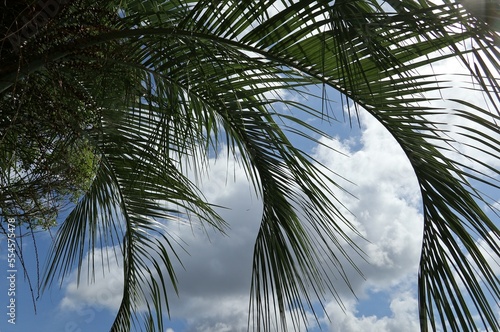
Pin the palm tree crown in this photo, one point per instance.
(151, 87)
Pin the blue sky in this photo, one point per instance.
(214, 285)
(217, 273)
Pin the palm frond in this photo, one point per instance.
(199, 73)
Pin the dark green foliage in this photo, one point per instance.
(112, 99)
(46, 156)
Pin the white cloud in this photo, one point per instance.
(215, 281)
(386, 207)
(214, 286)
(404, 317)
(387, 212)
(105, 291)
(462, 87)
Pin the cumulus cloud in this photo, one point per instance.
(214, 280)
(100, 287)
(404, 317)
(459, 85)
(386, 203)
(386, 212)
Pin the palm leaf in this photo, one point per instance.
(200, 72)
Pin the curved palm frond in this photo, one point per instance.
(373, 58)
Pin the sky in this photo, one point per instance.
(214, 281)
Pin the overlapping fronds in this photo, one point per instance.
(205, 74)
